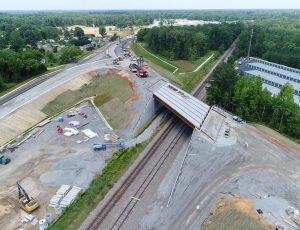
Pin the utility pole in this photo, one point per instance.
(281, 119)
(250, 43)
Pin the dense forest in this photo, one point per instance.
(123, 18)
(246, 97)
(189, 42)
(275, 41)
(17, 66)
(119, 19)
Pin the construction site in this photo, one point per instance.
(202, 168)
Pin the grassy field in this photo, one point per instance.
(189, 66)
(190, 80)
(111, 91)
(75, 214)
(186, 81)
(141, 52)
(110, 30)
(233, 219)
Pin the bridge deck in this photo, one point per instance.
(188, 108)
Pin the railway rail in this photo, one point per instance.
(138, 194)
(125, 185)
(118, 223)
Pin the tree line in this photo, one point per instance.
(275, 41)
(247, 97)
(123, 18)
(189, 42)
(56, 19)
(18, 37)
(18, 66)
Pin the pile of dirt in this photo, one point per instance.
(126, 75)
(235, 213)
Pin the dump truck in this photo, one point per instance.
(4, 160)
(28, 204)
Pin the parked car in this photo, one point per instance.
(237, 118)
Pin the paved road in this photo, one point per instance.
(138, 214)
(42, 79)
(38, 87)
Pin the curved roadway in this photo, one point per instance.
(14, 100)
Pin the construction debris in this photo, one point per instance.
(68, 132)
(29, 218)
(74, 123)
(89, 133)
(111, 138)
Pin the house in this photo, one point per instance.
(85, 47)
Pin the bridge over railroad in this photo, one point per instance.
(186, 107)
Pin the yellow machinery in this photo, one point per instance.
(27, 203)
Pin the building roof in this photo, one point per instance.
(276, 70)
(184, 105)
(278, 66)
(271, 77)
(275, 91)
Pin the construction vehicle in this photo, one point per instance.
(133, 67)
(99, 147)
(4, 160)
(116, 61)
(28, 204)
(142, 73)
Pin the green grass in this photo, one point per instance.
(136, 48)
(111, 91)
(186, 81)
(232, 219)
(190, 80)
(189, 66)
(120, 162)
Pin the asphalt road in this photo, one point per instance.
(41, 85)
(138, 214)
(42, 79)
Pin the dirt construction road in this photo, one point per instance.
(265, 172)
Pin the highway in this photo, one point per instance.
(41, 85)
(44, 78)
(145, 175)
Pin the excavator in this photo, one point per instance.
(28, 204)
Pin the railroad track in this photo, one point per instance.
(118, 223)
(126, 184)
(138, 194)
